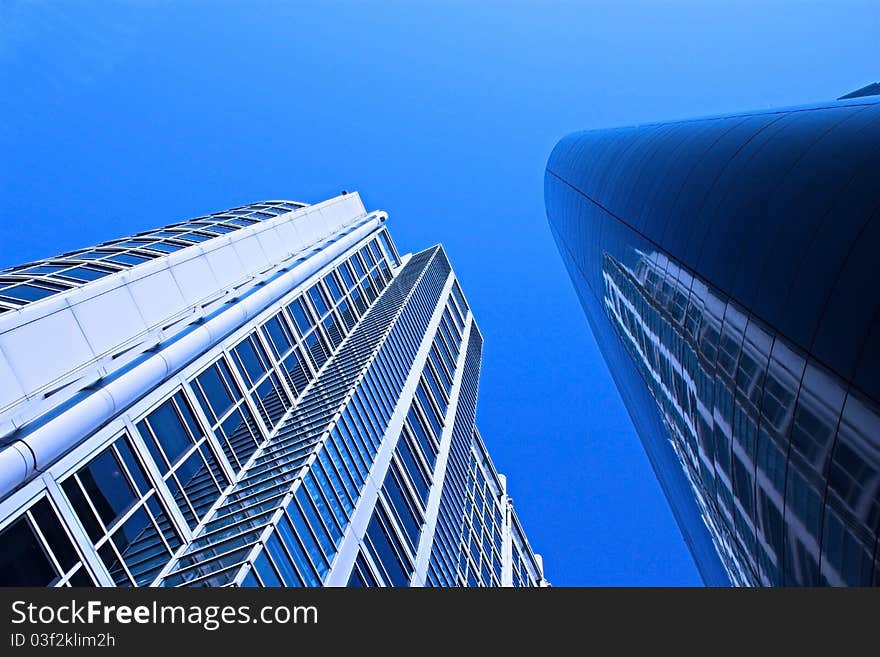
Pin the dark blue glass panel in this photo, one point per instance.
(318, 299)
(428, 449)
(333, 286)
(169, 432)
(53, 532)
(305, 534)
(296, 550)
(252, 358)
(387, 555)
(285, 566)
(403, 508)
(301, 315)
(279, 335)
(249, 581)
(107, 486)
(265, 571)
(213, 392)
(133, 464)
(307, 506)
(23, 562)
(25, 292)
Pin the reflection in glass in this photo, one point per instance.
(787, 475)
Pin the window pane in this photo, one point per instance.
(279, 336)
(302, 317)
(85, 273)
(169, 430)
(23, 562)
(265, 571)
(107, 487)
(282, 561)
(127, 259)
(132, 463)
(385, 552)
(333, 286)
(317, 297)
(25, 292)
(114, 564)
(58, 540)
(251, 357)
(346, 276)
(240, 433)
(80, 506)
(285, 531)
(214, 392)
(249, 581)
(81, 578)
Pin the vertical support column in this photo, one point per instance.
(507, 536)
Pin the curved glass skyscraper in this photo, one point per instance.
(729, 270)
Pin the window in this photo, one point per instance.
(459, 298)
(319, 299)
(369, 290)
(278, 336)
(347, 276)
(302, 316)
(317, 348)
(122, 515)
(333, 285)
(184, 458)
(263, 384)
(386, 550)
(419, 476)
(417, 430)
(390, 251)
(85, 273)
(216, 390)
(297, 551)
(306, 534)
(429, 411)
(361, 576)
(358, 301)
(403, 506)
(239, 436)
(296, 371)
(355, 263)
(38, 551)
(283, 562)
(347, 314)
(368, 256)
(128, 259)
(27, 292)
(434, 385)
(334, 330)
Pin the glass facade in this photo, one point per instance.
(305, 444)
(726, 268)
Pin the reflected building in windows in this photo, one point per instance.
(727, 267)
(266, 396)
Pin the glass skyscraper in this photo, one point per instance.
(264, 396)
(728, 268)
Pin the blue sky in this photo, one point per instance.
(117, 117)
